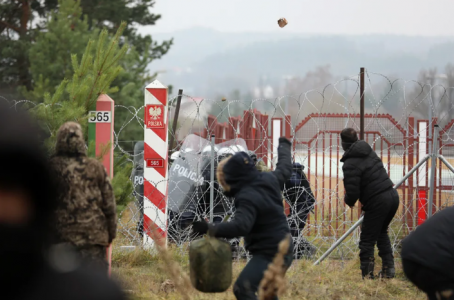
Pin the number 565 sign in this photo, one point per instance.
(99, 117)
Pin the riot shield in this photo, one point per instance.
(222, 205)
(137, 175)
(184, 175)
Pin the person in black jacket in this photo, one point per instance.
(259, 215)
(30, 267)
(428, 256)
(301, 199)
(366, 179)
(222, 205)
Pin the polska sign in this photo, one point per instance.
(154, 116)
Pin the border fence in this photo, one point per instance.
(399, 132)
(398, 123)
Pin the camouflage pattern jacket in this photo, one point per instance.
(86, 213)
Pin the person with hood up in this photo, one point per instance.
(428, 256)
(30, 267)
(86, 215)
(302, 201)
(366, 179)
(259, 216)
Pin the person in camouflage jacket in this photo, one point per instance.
(86, 213)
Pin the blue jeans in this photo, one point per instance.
(247, 284)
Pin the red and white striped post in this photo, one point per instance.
(155, 164)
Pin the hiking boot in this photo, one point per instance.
(388, 271)
(309, 251)
(367, 268)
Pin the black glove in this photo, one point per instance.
(284, 140)
(200, 227)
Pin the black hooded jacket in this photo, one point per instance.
(432, 243)
(259, 215)
(364, 174)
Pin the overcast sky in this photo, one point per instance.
(409, 17)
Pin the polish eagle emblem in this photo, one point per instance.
(155, 112)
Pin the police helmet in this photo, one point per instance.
(237, 148)
(253, 156)
(208, 149)
(175, 155)
(224, 153)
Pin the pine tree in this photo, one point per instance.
(50, 61)
(21, 21)
(68, 31)
(93, 75)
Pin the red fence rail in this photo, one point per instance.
(317, 145)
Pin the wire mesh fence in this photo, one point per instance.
(399, 120)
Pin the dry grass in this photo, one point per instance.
(273, 282)
(148, 277)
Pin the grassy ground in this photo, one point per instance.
(147, 277)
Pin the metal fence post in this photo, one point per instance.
(212, 179)
(361, 103)
(447, 164)
(432, 171)
(175, 121)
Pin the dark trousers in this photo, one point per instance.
(177, 223)
(374, 230)
(297, 219)
(247, 284)
(429, 281)
(95, 256)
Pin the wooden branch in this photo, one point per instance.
(16, 29)
(26, 12)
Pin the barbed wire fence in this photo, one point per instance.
(399, 120)
(397, 126)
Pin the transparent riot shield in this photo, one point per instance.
(184, 178)
(137, 176)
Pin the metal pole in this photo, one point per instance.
(339, 241)
(175, 120)
(212, 179)
(362, 84)
(342, 238)
(346, 99)
(447, 164)
(432, 171)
